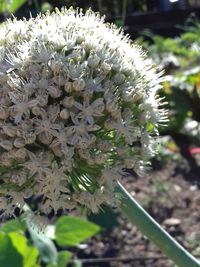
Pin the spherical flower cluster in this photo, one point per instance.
(78, 107)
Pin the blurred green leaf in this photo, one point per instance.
(9, 256)
(11, 8)
(16, 4)
(3, 6)
(70, 231)
(77, 263)
(29, 253)
(63, 259)
(13, 225)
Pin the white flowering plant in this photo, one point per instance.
(78, 107)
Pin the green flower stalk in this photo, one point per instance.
(151, 229)
(78, 106)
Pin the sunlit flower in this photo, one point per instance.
(78, 107)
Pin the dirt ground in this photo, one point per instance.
(171, 194)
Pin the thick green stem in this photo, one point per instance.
(151, 229)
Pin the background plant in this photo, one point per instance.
(179, 58)
(21, 246)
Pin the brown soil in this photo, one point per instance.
(172, 196)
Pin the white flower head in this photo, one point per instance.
(78, 106)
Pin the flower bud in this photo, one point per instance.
(54, 92)
(59, 80)
(5, 159)
(105, 68)
(21, 153)
(93, 61)
(111, 106)
(29, 138)
(42, 100)
(57, 151)
(78, 85)
(6, 144)
(46, 140)
(119, 78)
(64, 114)
(4, 113)
(19, 142)
(38, 111)
(9, 130)
(68, 101)
(68, 87)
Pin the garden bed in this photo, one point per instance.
(173, 199)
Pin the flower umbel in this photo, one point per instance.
(77, 108)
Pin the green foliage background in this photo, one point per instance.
(23, 246)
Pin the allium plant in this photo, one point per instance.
(78, 107)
